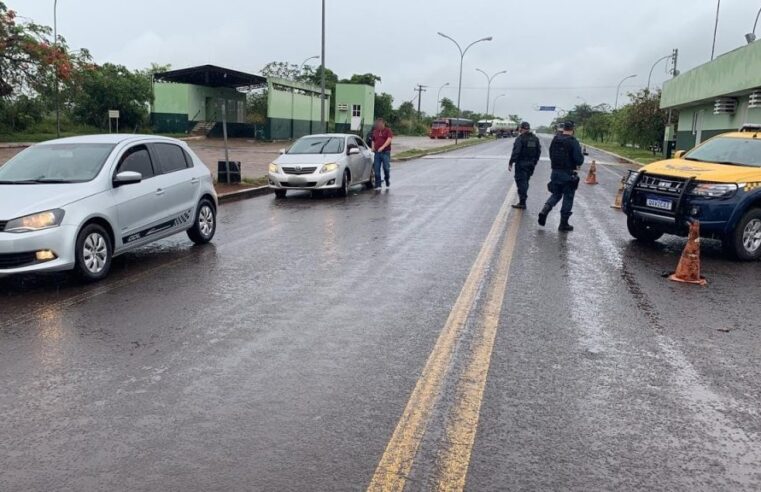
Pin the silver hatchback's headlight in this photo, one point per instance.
(35, 222)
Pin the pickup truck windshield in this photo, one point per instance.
(318, 145)
(56, 163)
(725, 150)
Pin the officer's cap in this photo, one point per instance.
(569, 125)
(525, 125)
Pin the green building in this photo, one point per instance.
(355, 108)
(717, 97)
(293, 109)
(197, 99)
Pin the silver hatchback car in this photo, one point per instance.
(75, 203)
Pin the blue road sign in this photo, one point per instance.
(547, 108)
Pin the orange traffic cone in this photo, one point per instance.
(592, 176)
(619, 195)
(688, 270)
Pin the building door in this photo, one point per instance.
(356, 117)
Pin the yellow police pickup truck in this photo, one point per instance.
(718, 183)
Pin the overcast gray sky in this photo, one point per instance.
(555, 52)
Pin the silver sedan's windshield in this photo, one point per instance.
(725, 150)
(318, 145)
(56, 163)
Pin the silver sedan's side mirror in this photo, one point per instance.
(282, 151)
(127, 177)
(354, 151)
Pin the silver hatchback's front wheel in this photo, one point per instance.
(93, 253)
(205, 224)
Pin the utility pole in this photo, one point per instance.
(322, 77)
(420, 89)
(674, 61)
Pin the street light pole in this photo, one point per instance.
(715, 29)
(751, 36)
(618, 89)
(438, 99)
(322, 78)
(488, 86)
(650, 77)
(459, 86)
(57, 90)
(494, 106)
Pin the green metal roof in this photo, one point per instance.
(733, 73)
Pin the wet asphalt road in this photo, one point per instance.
(282, 356)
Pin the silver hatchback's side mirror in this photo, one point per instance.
(127, 177)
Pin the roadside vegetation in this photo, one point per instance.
(630, 131)
(415, 153)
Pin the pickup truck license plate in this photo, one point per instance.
(660, 203)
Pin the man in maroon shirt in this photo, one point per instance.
(382, 137)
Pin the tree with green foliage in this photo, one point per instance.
(364, 79)
(384, 107)
(448, 108)
(112, 86)
(641, 122)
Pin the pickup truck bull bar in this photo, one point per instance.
(673, 217)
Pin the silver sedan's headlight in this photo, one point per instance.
(35, 222)
(274, 168)
(332, 166)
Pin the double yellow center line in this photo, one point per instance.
(398, 459)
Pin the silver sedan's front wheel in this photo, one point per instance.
(93, 253)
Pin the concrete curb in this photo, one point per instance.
(235, 196)
(625, 159)
(15, 145)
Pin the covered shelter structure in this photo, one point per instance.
(195, 100)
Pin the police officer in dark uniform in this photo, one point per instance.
(566, 158)
(526, 152)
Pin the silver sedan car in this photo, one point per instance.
(75, 203)
(323, 162)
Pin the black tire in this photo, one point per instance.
(343, 191)
(93, 251)
(205, 224)
(280, 194)
(744, 242)
(641, 231)
(371, 184)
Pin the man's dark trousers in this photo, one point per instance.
(563, 188)
(523, 173)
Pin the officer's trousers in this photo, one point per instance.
(523, 173)
(563, 185)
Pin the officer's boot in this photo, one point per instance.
(564, 225)
(521, 205)
(543, 215)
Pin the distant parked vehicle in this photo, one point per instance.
(451, 128)
(316, 163)
(75, 203)
(484, 127)
(503, 128)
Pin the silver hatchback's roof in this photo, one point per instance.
(107, 138)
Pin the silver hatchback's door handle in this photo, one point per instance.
(160, 192)
(195, 181)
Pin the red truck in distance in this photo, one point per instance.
(451, 128)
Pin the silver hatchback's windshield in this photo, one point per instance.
(318, 145)
(56, 163)
(725, 150)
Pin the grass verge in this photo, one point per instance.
(643, 156)
(415, 153)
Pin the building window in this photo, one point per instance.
(356, 110)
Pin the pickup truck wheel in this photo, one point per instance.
(641, 231)
(744, 243)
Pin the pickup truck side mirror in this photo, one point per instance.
(679, 154)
